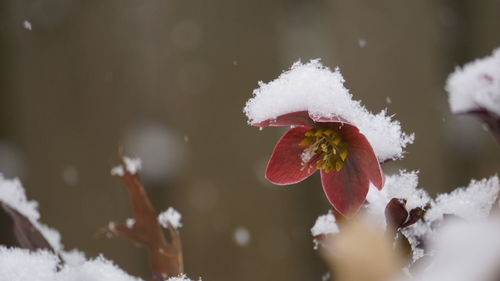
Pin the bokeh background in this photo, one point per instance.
(167, 81)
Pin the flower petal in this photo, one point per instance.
(300, 118)
(361, 152)
(346, 189)
(285, 165)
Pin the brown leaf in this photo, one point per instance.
(165, 256)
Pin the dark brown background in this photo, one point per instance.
(168, 79)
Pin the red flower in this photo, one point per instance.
(345, 157)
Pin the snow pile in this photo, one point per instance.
(170, 216)
(321, 92)
(22, 265)
(464, 251)
(470, 203)
(324, 225)
(132, 165)
(12, 194)
(476, 86)
(402, 186)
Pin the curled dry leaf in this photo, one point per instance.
(362, 252)
(165, 256)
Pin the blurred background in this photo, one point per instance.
(167, 80)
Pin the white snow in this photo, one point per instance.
(403, 186)
(27, 25)
(320, 91)
(181, 277)
(13, 194)
(241, 236)
(130, 222)
(325, 224)
(476, 85)
(170, 216)
(463, 251)
(470, 203)
(22, 265)
(132, 165)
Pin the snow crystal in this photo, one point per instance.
(241, 236)
(470, 203)
(170, 216)
(325, 224)
(23, 265)
(132, 165)
(403, 186)
(317, 89)
(13, 194)
(476, 85)
(463, 251)
(27, 25)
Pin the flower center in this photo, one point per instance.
(327, 145)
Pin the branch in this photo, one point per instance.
(165, 256)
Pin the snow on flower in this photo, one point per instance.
(475, 89)
(316, 89)
(330, 132)
(132, 165)
(170, 216)
(476, 86)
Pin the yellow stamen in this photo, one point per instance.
(328, 146)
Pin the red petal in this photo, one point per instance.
(346, 189)
(285, 165)
(361, 152)
(300, 118)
